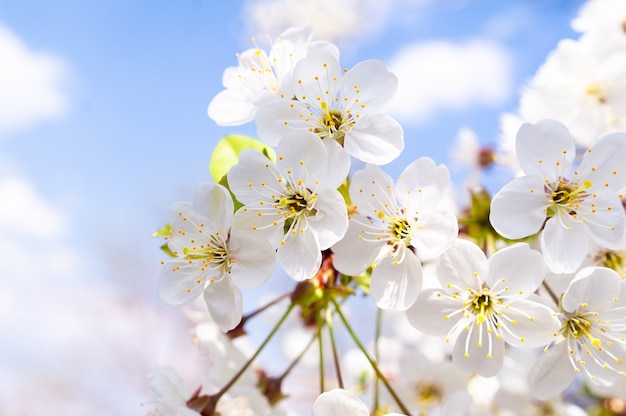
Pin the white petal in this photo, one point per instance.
(354, 254)
(552, 373)
(606, 225)
(370, 190)
(603, 165)
(428, 313)
(178, 282)
(276, 116)
(433, 234)
(596, 286)
(375, 84)
(224, 301)
(522, 268)
(545, 149)
(463, 265)
(338, 164)
(339, 402)
(518, 209)
(535, 324)
(254, 258)
(318, 72)
(564, 243)
(302, 156)
(396, 286)
(422, 182)
(215, 203)
(262, 227)
(233, 107)
(477, 351)
(376, 138)
(254, 178)
(300, 256)
(331, 219)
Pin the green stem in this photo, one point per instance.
(266, 306)
(321, 349)
(379, 325)
(334, 348)
(380, 375)
(233, 380)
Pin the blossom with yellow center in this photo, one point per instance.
(484, 304)
(573, 208)
(592, 338)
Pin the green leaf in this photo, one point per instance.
(226, 153)
(162, 232)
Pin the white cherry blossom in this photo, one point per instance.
(573, 208)
(258, 74)
(484, 304)
(592, 335)
(339, 402)
(212, 259)
(395, 228)
(338, 105)
(294, 204)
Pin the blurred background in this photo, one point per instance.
(103, 125)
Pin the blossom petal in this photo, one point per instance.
(433, 234)
(606, 222)
(518, 267)
(376, 138)
(603, 164)
(357, 250)
(545, 149)
(331, 218)
(302, 156)
(535, 324)
(421, 183)
(180, 282)
(339, 402)
(371, 190)
(564, 243)
(224, 301)
(435, 312)
(396, 285)
(371, 82)
(215, 203)
(254, 260)
(463, 265)
(552, 373)
(518, 209)
(233, 106)
(300, 255)
(595, 286)
(254, 178)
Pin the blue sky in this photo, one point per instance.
(85, 179)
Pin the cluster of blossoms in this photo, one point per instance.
(538, 267)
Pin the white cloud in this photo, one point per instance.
(23, 211)
(344, 22)
(31, 84)
(440, 75)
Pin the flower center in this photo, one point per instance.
(213, 254)
(613, 260)
(295, 205)
(400, 231)
(333, 123)
(598, 92)
(428, 393)
(482, 305)
(567, 196)
(577, 326)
